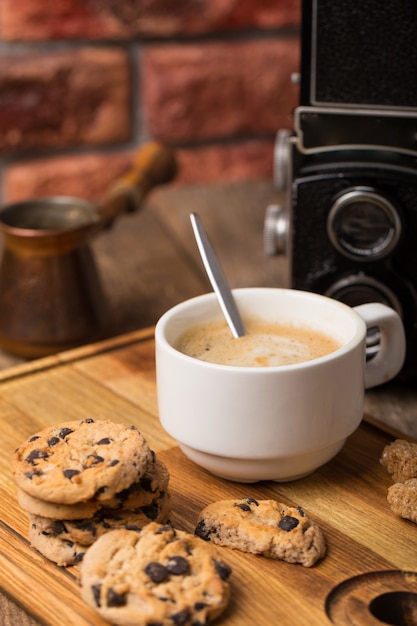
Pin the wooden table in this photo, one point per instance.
(149, 262)
(347, 497)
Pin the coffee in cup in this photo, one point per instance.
(265, 344)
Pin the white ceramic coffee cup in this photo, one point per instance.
(272, 423)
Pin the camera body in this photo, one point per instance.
(348, 168)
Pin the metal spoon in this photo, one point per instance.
(217, 278)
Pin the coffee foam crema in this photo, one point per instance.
(265, 344)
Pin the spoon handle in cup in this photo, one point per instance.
(217, 278)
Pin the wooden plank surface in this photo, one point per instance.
(148, 262)
(347, 497)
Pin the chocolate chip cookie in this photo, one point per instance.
(53, 510)
(61, 552)
(86, 531)
(141, 493)
(79, 460)
(265, 527)
(154, 577)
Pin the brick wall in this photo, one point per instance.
(83, 83)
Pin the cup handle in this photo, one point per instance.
(391, 354)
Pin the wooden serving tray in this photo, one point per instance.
(371, 553)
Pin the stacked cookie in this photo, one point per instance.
(80, 479)
(400, 461)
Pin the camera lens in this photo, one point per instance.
(360, 289)
(363, 225)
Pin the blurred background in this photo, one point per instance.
(83, 83)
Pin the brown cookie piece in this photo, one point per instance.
(265, 527)
(400, 460)
(76, 461)
(61, 552)
(402, 499)
(142, 493)
(55, 511)
(156, 576)
(86, 531)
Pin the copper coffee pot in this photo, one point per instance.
(50, 293)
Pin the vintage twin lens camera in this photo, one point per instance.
(349, 165)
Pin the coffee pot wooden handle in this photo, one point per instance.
(154, 164)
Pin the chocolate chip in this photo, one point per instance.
(58, 528)
(151, 511)
(134, 527)
(222, 569)
(69, 473)
(243, 507)
(252, 501)
(199, 606)
(188, 549)
(94, 459)
(288, 523)
(53, 441)
(301, 511)
(33, 473)
(34, 438)
(35, 455)
(89, 420)
(96, 590)
(104, 442)
(115, 599)
(78, 557)
(114, 462)
(86, 526)
(164, 529)
(177, 565)
(64, 432)
(202, 531)
(123, 495)
(156, 572)
(146, 484)
(181, 618)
